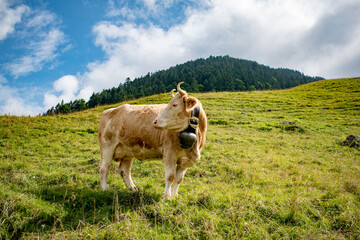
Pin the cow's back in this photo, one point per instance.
(129, 127)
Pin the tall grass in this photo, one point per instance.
(257, 178)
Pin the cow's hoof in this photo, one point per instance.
(167, 196)
(104, 187)
(134, 189)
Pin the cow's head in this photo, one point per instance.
(177, 114)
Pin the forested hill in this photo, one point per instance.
(222, 73)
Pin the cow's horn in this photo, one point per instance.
(182, 92)
(172, 93)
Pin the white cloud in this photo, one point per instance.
(85, 93)
(137, 10)
(41, 19)
(123, 11)
(9, 17)
(18, 107)
(2, 79)
(149, 3)
(67, 84)
(65, 88)
(41, 52)
(331, 47)
(37, 34)
(12, 102)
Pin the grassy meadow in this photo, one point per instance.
(261, 176)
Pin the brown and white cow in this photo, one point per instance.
(148, 132)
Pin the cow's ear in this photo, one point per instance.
(190, 102)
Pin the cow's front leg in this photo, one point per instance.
(180, 172)
(170, 173)
(125, 173)
(182, 165)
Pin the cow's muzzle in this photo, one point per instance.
(156, 124)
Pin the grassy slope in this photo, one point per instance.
(254, 180)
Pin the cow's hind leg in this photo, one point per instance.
(125, 173)
(105, 163)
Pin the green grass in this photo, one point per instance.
(257, 178)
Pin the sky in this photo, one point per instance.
(52, 50)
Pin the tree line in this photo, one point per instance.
(222, 73)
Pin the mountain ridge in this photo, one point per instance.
(213, 74)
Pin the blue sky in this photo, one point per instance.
(64, 50)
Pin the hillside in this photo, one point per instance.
(259, 176)
(202, 75)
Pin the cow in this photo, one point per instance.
(174, 132)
